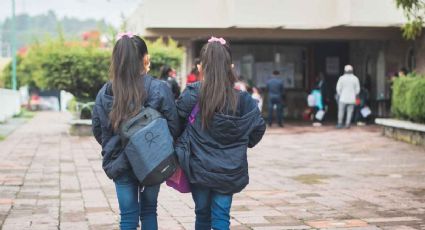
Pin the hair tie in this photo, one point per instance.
(214, 39)
(122, 34)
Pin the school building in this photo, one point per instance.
(303, 39)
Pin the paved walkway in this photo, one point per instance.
(301, 178)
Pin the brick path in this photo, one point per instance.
(301, 178)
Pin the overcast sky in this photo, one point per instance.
(110, 10)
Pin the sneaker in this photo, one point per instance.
(361, 123)
(347, 126)
(339, 126)
(281, 125)
(317, 124)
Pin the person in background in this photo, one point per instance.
(168, 75)
(255, 94)
(403, 72)
(194, 73)
(347, 88)
(241, 84)
(275, 89)
(318, 106)
(321, 85)
(361, 102)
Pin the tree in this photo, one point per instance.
(78, 68)
(415, 13)
(40, 27)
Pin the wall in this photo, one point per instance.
(10, 104)
(288, 14)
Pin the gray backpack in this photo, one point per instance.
(149, 147)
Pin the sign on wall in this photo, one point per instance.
(287, 72)
(263, 71)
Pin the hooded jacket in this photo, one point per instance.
(217, 157)
(159, 98)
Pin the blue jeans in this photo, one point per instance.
(136, 202)
(212, 209)
(279, 107)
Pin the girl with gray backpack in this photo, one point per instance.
(120, 106)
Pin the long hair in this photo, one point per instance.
(165, 70)
(217, 92)
(127, 81)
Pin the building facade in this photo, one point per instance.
(303, 39)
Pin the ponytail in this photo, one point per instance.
(127, 83)
(217, 92)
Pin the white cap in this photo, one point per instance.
(348, 68)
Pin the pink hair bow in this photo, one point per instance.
(214, 39)
(122, 34)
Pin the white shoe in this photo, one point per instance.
(317, 124)
(361, 123)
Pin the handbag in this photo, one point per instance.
(320, 114)
(365, 111)
(179, 180)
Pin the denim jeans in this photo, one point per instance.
(212, 209)
(279, 110)
(136, 202)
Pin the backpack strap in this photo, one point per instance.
(193, 114)
(142, 115)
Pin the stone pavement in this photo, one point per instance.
(301, 178)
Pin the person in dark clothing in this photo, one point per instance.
(166, 76)
(213, 149)
(275, 89)
(119, 100)
(363, 98)
(321, 85)
(403, 72)
(194, 73)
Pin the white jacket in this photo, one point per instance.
(347, 88)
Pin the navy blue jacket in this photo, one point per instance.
(217, 157)
(159, 97)
(275, 88)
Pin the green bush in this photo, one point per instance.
(164, 53)
(408, 99)
(80, 70)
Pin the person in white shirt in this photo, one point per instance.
(347, 88)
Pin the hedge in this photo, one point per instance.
(408, 99)
(80, 69)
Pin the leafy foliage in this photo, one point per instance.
(408, 101)
(80, 69)
(164, 53)
(37, 28)
(415, 13)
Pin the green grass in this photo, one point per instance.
(2, 137)
(25, 114)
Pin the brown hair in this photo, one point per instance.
(127, 82)
(217, 92)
